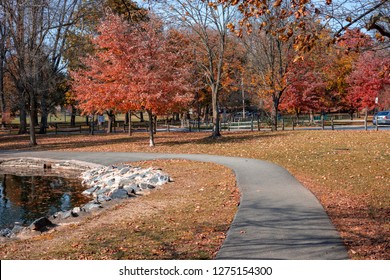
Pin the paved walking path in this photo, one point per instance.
(277, 218)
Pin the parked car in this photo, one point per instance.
(383, 117)
(238, 116)
(247, 114)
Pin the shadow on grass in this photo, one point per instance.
(203, 244)
(69, 141)
(168, 139)
(365, 235)
(236, 137)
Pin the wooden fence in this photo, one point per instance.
(252, 124)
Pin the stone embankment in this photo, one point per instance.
(102, 184)
(118, 182)
(114, 182)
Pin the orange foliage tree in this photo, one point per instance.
(235, 83)
(136, 66)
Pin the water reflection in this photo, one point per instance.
(26, 198)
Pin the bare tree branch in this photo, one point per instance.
(374, 24)
(352, 22)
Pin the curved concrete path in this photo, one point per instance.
(277, 218)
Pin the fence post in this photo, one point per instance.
(332, 124)
(293, 124)
(129, 124)
(92, 127)
(258, 124)
(322, 121)
(365, 120)
(376, 123)
(252, 124)
(229, 122)
(282, 123)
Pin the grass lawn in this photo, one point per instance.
(347, 170)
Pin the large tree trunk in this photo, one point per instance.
(2, 98)
(154, 124)
(351, 112)
(109, 125)
(216, 125)
(111, 121)
(311, 117)
(44, 124)
(151, 128)
(91, 123)
(36, 121)
(23, 120)
(274, 118)
(33, 140)
(73, 116)
(129, 122)
(275, 112)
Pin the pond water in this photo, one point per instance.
(26, 198)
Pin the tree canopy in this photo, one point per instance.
(134, 67)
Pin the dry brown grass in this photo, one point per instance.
(347, 170)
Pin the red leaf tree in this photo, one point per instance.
(370, 79)
(306, 87)
(134, 67)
